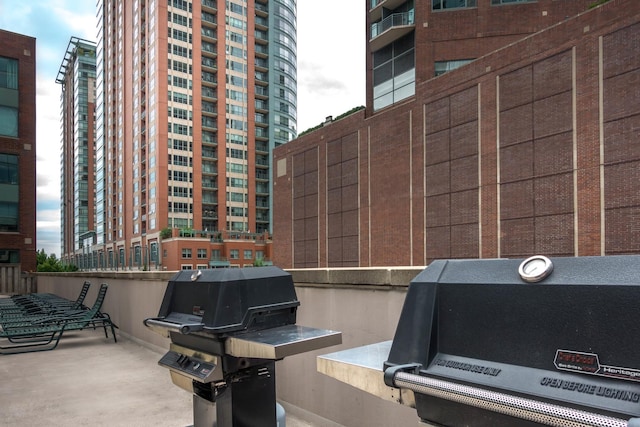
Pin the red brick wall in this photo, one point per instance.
(498, 158)
(23, 48)
(621, 84)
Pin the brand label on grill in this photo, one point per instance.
(469, 367)
(198, 311)
(589, 363)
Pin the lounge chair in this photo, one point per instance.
(45, 333)
(44, 304)
(41, 303)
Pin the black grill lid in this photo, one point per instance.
(572, 337)
(229, 300)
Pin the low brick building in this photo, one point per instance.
(531, 149)
(17, 157)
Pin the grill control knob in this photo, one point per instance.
(182, 360)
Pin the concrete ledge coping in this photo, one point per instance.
(374, 276)
(163, 276)
(369, 276)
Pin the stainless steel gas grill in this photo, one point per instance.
(511, 343)
(227, 329)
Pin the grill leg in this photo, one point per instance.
(204, 412)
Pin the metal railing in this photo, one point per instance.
(395, 20)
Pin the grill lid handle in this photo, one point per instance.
(183, 328)
(537, 411)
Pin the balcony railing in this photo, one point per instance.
(261, 146)
(261, 21)
(261, 91)
(207, 17)
(395, 20)
(264, 77)
(209, 3)
(262, 133)
(262, 8)
(261, 35)
(262, 49)
(210, 154)
(208, 92)
(208, 77)
(208, 47)
(262, 63)
(209, 107)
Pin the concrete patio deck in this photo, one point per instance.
(90, 380)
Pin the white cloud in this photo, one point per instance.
(47, 139)
(80, 21)
(331, 59)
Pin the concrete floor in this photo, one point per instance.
(89, 380)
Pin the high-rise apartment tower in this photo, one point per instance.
(77, 75)
(192, 96)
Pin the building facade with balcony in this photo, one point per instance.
(17, 156)
(410, 42)
(528, 149)
(193, 95)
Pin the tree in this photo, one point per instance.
(51, 263)
(165, 233)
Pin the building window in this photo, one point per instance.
(8, 216)
(442, 67)
(154, 252)
(8, 121)
(394, 72)
(182, 4)
(186, 253)
(234, 254)
(9, 256)
(186, 266)
(453, 4)
(8, 73)
(179, 19)
(9, 196)
(495, 2)
(248, 254)
(8, 169)
(202, 254)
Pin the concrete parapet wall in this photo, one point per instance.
(131, 298)
(364, 304)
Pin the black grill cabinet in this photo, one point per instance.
(227, 328)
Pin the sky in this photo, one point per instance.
(331, 76)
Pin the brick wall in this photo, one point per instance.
(501, 157)
(23, 48)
